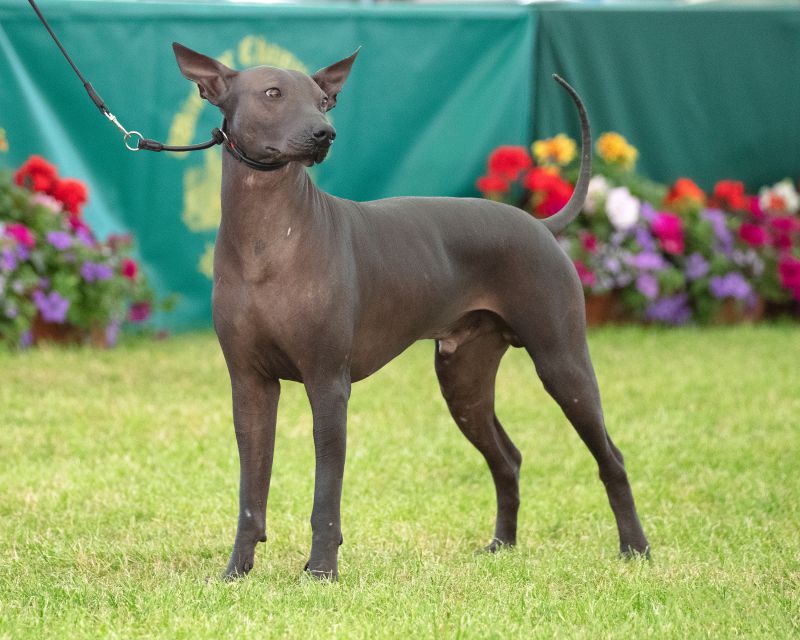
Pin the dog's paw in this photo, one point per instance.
(327, 575)
(238, 566)
(634, 553)
(496, 545)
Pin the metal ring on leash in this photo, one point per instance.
(128, 135)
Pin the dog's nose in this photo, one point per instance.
(325, 134)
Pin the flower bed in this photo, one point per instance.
(654, 253)
(57, 280)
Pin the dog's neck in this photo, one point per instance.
(262, 210)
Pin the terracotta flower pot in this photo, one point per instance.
(65, 334)
(604, 308)
(732, 311)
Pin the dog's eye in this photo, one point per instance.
(324, 104)
(273, 92)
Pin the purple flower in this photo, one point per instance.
(696, 266)
(8, 260)
(25, 340)
(648, 212)
(645, 239)
(670, 309)
(59, 239)
(22, 253)
(52, 306)
(612, 264)
(647, 285)
(647, 260)
(731, 285)
(721, 231)
(112, 333)
(85, 237)
(96, 271)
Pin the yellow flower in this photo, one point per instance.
(614, 148)
(560, 150)
(3, 141)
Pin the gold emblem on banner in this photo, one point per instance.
(201, 180)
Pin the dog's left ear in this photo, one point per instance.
(331, 79)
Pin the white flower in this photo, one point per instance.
(622, 208)
(779, 198)
(596, 194)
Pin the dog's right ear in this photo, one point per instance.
(212, 77)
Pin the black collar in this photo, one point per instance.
(253, 164)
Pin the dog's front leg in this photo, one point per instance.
(329, 407)
(255, 406)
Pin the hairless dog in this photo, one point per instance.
(325, 291)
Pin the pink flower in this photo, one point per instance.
(588, 241)
(668, 228)
(586, 275)
(21, 234)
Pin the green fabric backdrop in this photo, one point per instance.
(707, 93)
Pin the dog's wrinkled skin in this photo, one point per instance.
(325, 291)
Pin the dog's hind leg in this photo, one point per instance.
(467, 380)
(555, 337)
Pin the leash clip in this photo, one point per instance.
(125, 133)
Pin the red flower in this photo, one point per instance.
(37, 174)
(668, 228)
(492, 184)
(71, 193)
(586, 275)
(21, 234)
(129, 268)
(509, 161)
(588, 241)
(729, 194)
(139, 311)
(753, 234)
(555, 199)
(551, 191)
(684, 193)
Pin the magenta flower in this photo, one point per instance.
(139, 311)
(668, 228)
(21, 234)
(53, 306)
(586, 275)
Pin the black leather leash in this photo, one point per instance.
(218, 135)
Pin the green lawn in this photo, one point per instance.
(119, 480)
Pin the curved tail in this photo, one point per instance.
(559, 221)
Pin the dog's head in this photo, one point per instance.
(273, 115)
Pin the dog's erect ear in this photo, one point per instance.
(212, 77)
(331, 79)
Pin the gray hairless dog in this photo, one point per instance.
(325, 291)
